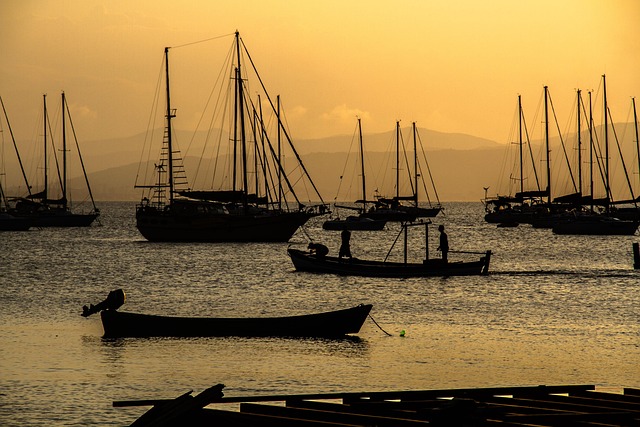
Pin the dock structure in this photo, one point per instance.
(541, 406)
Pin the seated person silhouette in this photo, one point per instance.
(318, 249)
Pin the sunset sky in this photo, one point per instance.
(451, 66)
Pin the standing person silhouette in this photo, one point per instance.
(345, 248)
(444, 243)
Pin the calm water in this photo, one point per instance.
(555, 310)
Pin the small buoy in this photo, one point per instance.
(402, 332)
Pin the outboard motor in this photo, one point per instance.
(114, 301)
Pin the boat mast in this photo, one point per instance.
(398, 160)
(520, 143)
(279, 153)
(591, 149)
(242, 130)
(64, 154)
(546, 137)
(46, 178)
(579, 148)
(635, 123)
(606, 142)
(364, 186)
(170, 114)
(415, 164)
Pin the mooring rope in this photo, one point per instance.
(376, 323)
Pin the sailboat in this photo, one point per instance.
(8, 221)
(533, 206)
(360, 221)
(45, 211)
(392, 209)
(590, 222)
(173, 212)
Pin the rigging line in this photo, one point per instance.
(286, 134)
(426, 161)
(202, 41)
(379, 327)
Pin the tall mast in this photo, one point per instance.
(46, 178)
(635, 123)
(591, 149)
(579, 149)
(364, 186)
(279, 154)
(520, 143)
(170, 114)
(64, 155)
(546, 137)
(242, 130)
(398, 160)
(606, 141)
(415, 164)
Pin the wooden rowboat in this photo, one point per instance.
(330, 324)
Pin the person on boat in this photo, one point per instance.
(444, 243)
(318, 249)
(345, 246)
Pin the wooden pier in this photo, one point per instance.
(567, 405)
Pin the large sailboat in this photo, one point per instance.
(41, 208)
(252, 205)
(589, 222)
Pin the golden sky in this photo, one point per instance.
(451, 66)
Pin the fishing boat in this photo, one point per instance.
(306, 261)
(251, 205)
(330, 324)
(41, 208)
(360, 221)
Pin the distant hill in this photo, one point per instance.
(461, 165)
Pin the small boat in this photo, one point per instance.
(308, 262)
(331, 324)
(40, 208)
(360, 221)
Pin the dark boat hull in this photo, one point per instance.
(303, 261)
(596, 226)
(13, 223)
(328, 324)
(158, 226)
(66, 219)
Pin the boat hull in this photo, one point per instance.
(596, 226)
(304, 261)
(13, 223)
(158, 226)
(66, 219)
(328, 324)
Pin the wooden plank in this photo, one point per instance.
(216, 417)
(329, 416)
(169, 413)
